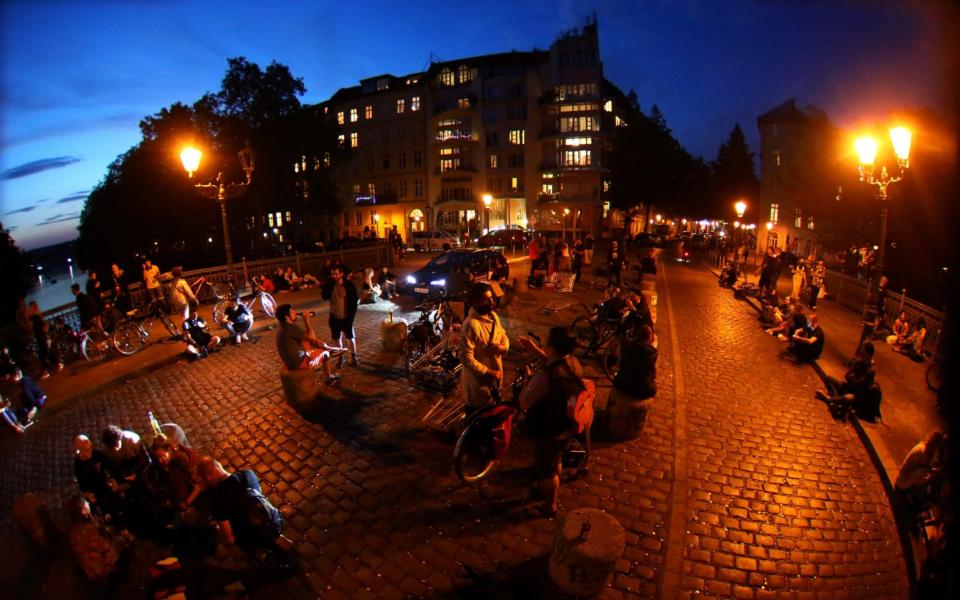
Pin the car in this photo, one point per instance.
(433, 240)
(436, 276)
(507, 238)
(645, 239)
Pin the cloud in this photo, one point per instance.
(37, 166)
(25, 209)
(74, 197)
(59, 218)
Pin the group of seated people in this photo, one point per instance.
(906, 338)
(285, 281)
(804, 335)
(20, 415)
(377, 285)
(168, 492)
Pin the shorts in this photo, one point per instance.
(547, 455)
(338, 326)
(311, 359)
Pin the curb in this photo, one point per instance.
(902, 529)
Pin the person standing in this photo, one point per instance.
(588, 250)
(798, 280)
(579, 256)
(817, 273)
(151, 280)
(181, 295)
(343, 297)
(94, 290)
(483, 342)
(120, 289)
(45, 351)
(615, 262)
(86, 308)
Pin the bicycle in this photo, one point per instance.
(934, 375)
(132, 333)
(425, 334)
(206, 291)
(486, 435)
(268, 305)
(600, 332)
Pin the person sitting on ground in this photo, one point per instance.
(265, 283)
(806, 344)
(388, 283)
(300, 348)
(96, 546)
(8, 416)
(237, 319)
(309, 280)
(199, 341)
(914, 344)
(293, 279)
(32, 398)
(241, 513)
(370, 290)
(177, 468)
(92, 471)
(922, 462)
(545, 397)
(900, 331)
(785, 330)
(125, 455)
(859, 378)
(280, 282)
(871, 320)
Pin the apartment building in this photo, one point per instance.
(516, 139)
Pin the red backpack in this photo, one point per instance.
(580, 405)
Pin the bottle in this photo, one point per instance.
(154, 423)
(390, 317)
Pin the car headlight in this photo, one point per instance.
(411, 279)
(439, 282)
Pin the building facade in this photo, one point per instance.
(799, 175)
(517, 139)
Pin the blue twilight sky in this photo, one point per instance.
(77, 76)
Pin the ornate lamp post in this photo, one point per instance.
(867, 151)
(220, 191)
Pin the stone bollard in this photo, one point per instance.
(300, 387)
(585, 551)
(625, 415)
(393, 332)
(651, 298)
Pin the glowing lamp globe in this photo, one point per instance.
(190, 157)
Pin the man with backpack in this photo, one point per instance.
(242, 514)
(546, 398)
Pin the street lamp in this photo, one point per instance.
(867, 151)
(220, 191)
(487, 201)
(376, 223)
(741, 208)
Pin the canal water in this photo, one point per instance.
(53, 288)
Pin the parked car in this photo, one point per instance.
(645, 239)
(508, 238)
(436, 275)
(433, 240)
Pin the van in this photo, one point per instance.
(433, 240)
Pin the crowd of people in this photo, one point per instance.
(553, 258)
(166, 491)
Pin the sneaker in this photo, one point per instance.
(45, 375)
(354, 362)
(245, 337)
(59, 367)
(237, 338)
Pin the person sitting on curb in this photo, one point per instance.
(899, 331)
(9, 417)
(97, 546)
(241, 513)
(300, 348)
(237, 319)
(854, 391)
(124, 453)
(92, 471)
(388, 283)
(913, 347)
(785, 330)
(200, 342)
(32, 398)
(806, 344)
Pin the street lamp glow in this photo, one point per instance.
(190, 157)
(900, 136)
(866, 149)
(740, 207)
(566, 211)
(769, 225)
(487, 200)
(736, 224)
(659, 218)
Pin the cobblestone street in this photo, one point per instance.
(740, 485)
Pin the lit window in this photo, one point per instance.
(578, 141)
(353, 115)
(354, 140)
(296, 167)
(608, 106)
(415, 103)
(774, 212)
(446, 77)
(576, 158)
(326, 109)
(514, 184)
(356, 190)
(289, 216)
(606, 185)
(447, 164)
(494, 160)
(810, 223)
(401, 105)
(383, 84)
(270, 219)
(279, 219)
(547, 188)
(776, 157)
(618, 122)
(341, 139)
(463, 74)
(326, 158)
(798, 218)
(463, 103)
(517, 136)
(340, 118)
(368, 112)
(372, 188)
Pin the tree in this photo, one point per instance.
(16, 280)
(733, 175)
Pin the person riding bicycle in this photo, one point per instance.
(483, 342)
(545, 399)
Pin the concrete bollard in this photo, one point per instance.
(585, 551)
(625, 415)
(393, 332)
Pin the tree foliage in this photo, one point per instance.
(16, 280)
(733, 175)
(145, 204)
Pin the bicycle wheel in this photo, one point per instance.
(473, 454)
(935, 376)
(127, 339)
(64, 345)
(611, 357)
(412, 351)
(268, 305)
(169, 325)
(95, 346)
(219, 311)
(585, 333)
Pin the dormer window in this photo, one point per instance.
(464, 75)
(446, 77)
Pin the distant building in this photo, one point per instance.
(530, 129)
(798, 181)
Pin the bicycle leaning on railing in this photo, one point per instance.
(268, 305)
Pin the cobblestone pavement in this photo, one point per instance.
(773, 497)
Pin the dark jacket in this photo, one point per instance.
(352, 299)
(86, 308)
(637, 376)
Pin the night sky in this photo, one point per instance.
(78, 76)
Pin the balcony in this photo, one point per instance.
(551, 97)
(456, 138)
(461, 168)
